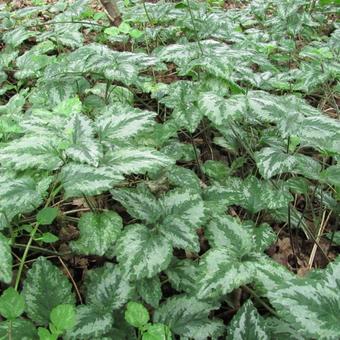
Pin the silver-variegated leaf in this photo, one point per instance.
(281, 330)
(188, 317)
(31, 152)
(269, 274)
(140, 203)
(150, 290)
(226, 231)
(83, 147)
(271, 162)
(91, 323)
(217, 109)
(5, 260)
(82, 179)
(136, 160)
(222, 271)
(311, 305)
(107, 288)
(247, 324)
(19, 329)
(121, 123)
(45, 287)
(18, 196)
(142, 252)
(252, 194)
(256, 195)
(182, 97)
(98, 233)
(183, 212)
(183, 275)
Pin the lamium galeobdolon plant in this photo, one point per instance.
(173, 177)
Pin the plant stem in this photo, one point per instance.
(33, 232)
(147, 12)
(39, 249)
(259, 300)
(193, 24)
(24, 256)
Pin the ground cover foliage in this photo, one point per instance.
(176, 177)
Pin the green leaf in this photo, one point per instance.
(121, 328)
(157, 331)
(124, 27)
(247, 324)
(44, 334)
(151, 252)
(331, 175)
(5, 260)
(311, 305)
(150, 290)
(271, 162)
(98, 233)
(82, 179)
(188, 317)
(48, 238)
(112, 31)
(45, 288)
(19, 329)
(84, 148)
(63, 317)
(136, 314)
(91, 323)
(335, 238)
(107, 288)
(12, 304)
(328, 2)
(135, 33)
(47, 215)
(68, 107)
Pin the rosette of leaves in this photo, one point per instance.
(232, 260)
(310, 304)
(145, 249)
(251, 193)
(70, 142)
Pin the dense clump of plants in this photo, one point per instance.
(173, 177)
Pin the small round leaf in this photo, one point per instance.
(47, 215)
(12, 304)
(63, 317)
(136, 314)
